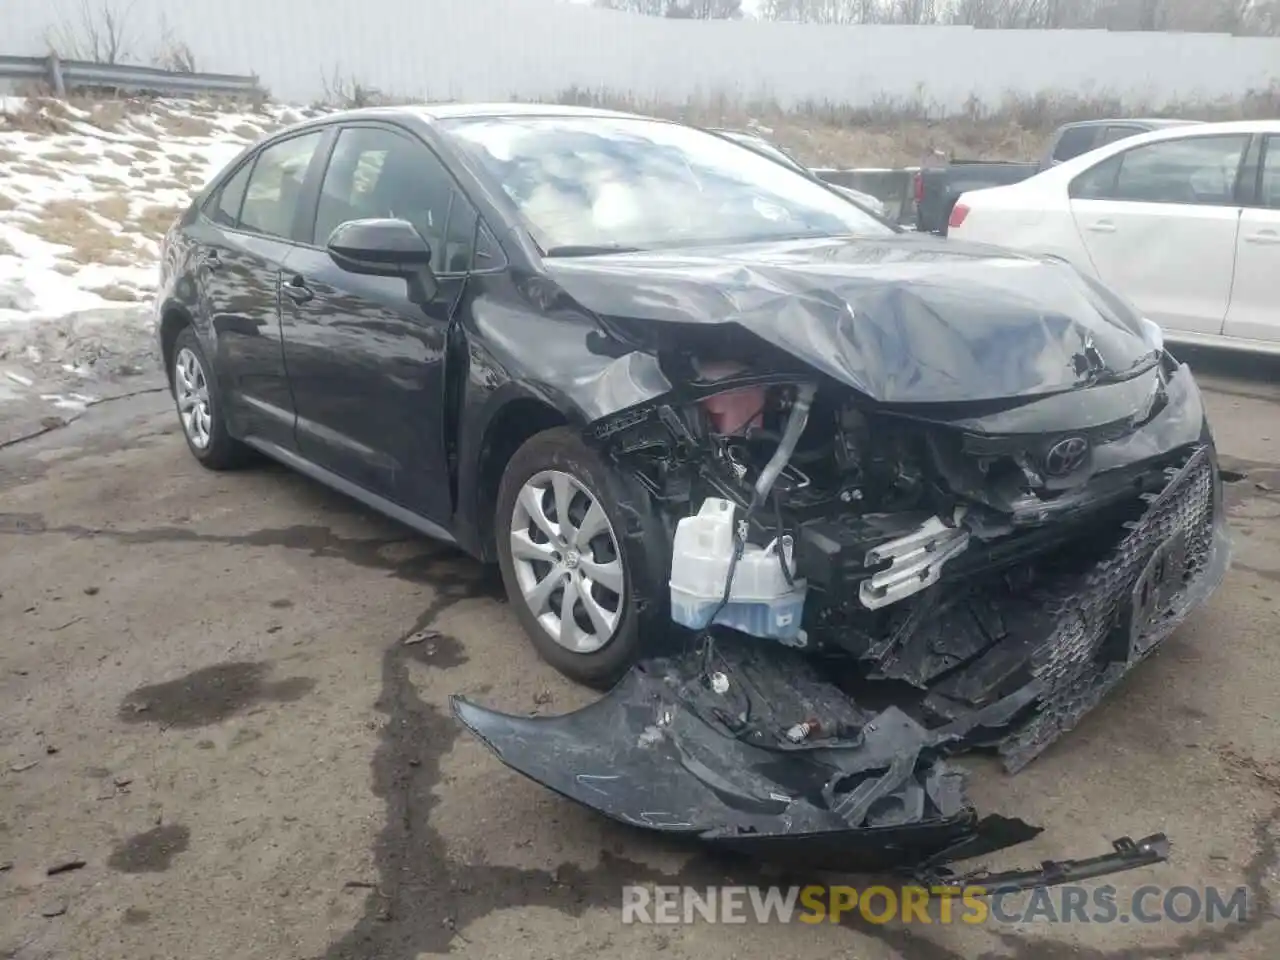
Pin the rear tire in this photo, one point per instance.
(200, 407)
(610, 561)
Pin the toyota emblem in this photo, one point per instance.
(1066, 456)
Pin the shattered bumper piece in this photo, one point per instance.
(663, 751)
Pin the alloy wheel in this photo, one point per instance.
(566, 561)
(191, 389)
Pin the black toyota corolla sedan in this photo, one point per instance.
(745, 453)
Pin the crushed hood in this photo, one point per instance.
(903, 319)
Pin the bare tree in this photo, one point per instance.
(1256, 17)
(831, 11)
(173, 54)
(705, 9)
(653, 8)
(98, 35)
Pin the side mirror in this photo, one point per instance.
(384, 248)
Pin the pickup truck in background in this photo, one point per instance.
(938, 185)
(766, 148)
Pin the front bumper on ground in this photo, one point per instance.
(696, 744)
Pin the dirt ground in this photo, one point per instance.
(210, 718)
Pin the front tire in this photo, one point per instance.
(200, 407)
(581, 552)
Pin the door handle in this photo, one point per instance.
(298, 291)
(1102, 226)
(1264, 236)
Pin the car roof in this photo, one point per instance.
(1230, 126)
(1155, 123)
(1070, 168)
(432, 112)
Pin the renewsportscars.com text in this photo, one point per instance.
(818, 903)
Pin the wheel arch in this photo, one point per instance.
(174, 318)
(511, 423)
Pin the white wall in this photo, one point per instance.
(491, 49)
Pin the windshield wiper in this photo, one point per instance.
(588, 250)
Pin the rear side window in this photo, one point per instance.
(275, 186)
(1073, 142)
(225, 209)
(1192, 170)
(1099, 181)
(1118, 132)
(1271, 175)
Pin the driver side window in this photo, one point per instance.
(375, 172)
(1191, 170)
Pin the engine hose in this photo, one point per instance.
(796, 422)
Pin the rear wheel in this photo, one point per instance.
(200, 408)
(581, 558)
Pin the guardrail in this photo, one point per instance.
(62, 75)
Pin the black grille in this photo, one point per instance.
(1077, 665)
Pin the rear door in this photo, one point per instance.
(1159, 222)
(245, 231)
(367, 365)
(1255, 296)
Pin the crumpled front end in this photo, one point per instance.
(870, 591)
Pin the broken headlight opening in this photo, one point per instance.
(868, 592)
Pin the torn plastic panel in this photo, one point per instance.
(918, 320)
(667, 751)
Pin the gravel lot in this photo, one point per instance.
(209, 673)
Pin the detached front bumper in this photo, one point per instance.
(698, 744)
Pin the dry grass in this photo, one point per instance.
(155, 220)
(144, 155)
(66, 268)
(246, 132)
(8, 156)
(108, 115)
(7, 203)
(37, 116)
(69, 223)
(103, 181)
(114, 207)
(6, 248)
(118, 292)
(893, 132)
(123, 256)
(120, 157)
(62, 156)
(35, 170)
(184, 125)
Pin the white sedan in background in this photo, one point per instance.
(1184, 222)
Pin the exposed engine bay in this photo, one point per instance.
(867, 589)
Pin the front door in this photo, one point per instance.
(367, 365)
(1159, 223)
(1255, 296)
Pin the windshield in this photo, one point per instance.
(601, 184)
(765, 148)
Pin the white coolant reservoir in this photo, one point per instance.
(761, 602)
